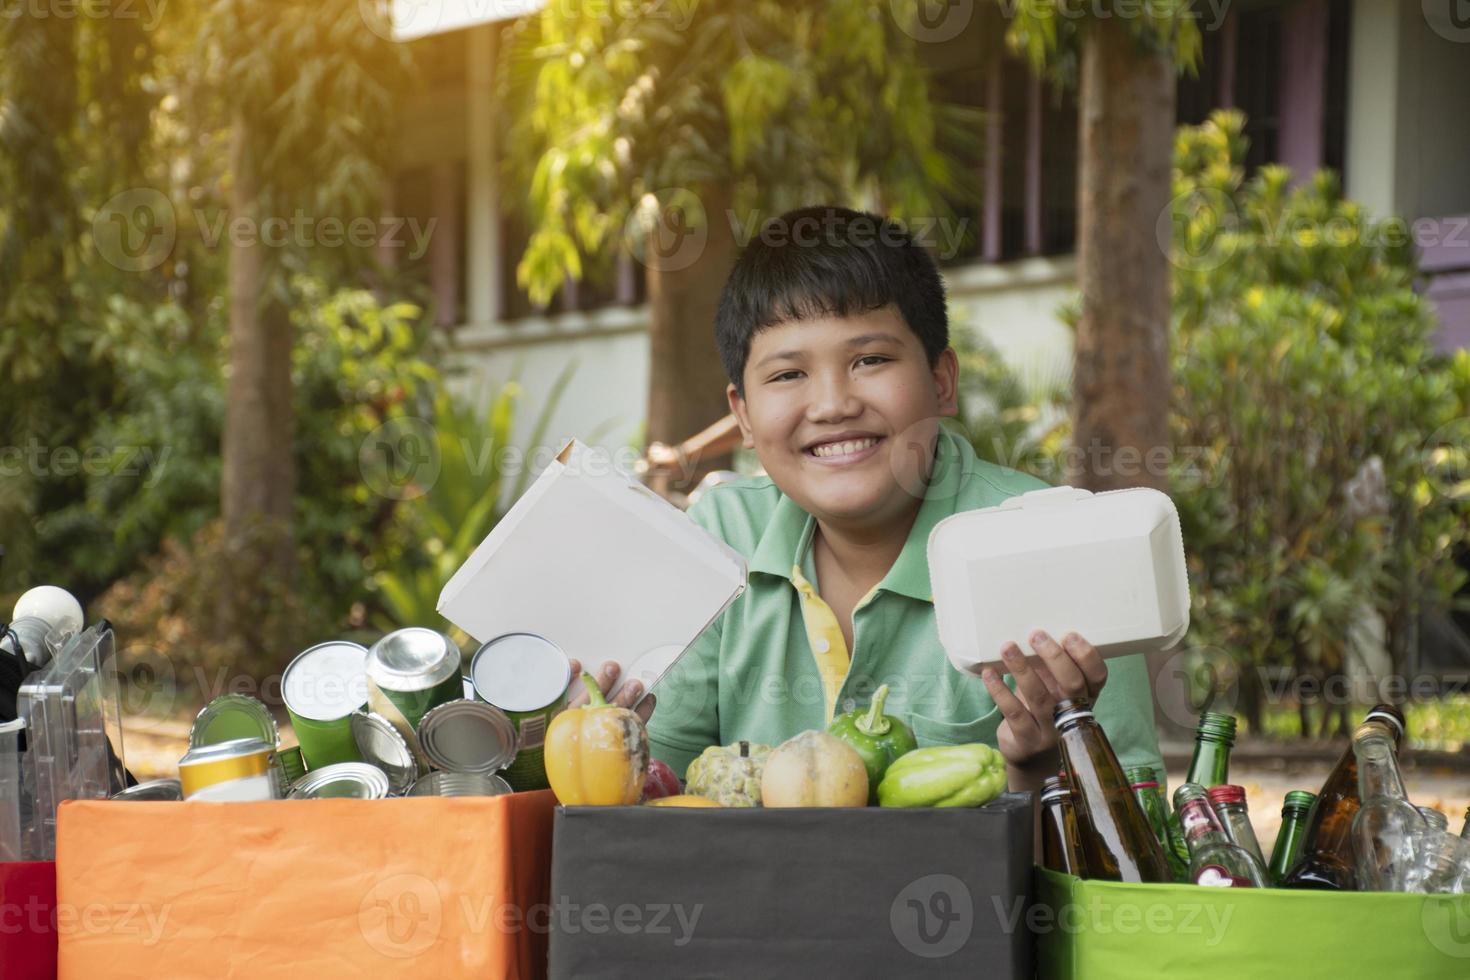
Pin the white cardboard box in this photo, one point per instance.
(600, 565)
(1109, 566)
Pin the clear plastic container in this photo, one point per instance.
(13, 844)
(74, 730)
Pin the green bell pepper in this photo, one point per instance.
(944, 775)
(878, 738)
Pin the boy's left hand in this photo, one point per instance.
(1070, 669)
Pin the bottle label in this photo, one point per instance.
(1214, 876)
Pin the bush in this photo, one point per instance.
(1304, 368)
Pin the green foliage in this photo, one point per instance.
(1010, 420)
(478, 462)
(1049, 32)
(781, 104)
(1304, 366)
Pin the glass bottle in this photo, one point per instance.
(1060, 848)
(1434, 819)
(1327, 860)
(1214, 859)
(1117, 843)
(1230, 806)
(1208, 766)
(1145, 786)
(1465, 830)
(1294, 811)
(1386, 822)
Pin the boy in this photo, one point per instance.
(834, 332)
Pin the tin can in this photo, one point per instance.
(467, 736)
(233, 716)
(525, 676)
(290, 766)
(323, 687)
(383, 746)
(152, 791)
(411, 671)
(238, 769)
(459, 784)
(342, 780)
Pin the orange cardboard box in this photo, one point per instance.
(421, 887)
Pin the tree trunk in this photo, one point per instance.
(1120, 405)
(258, 484)
(685, 273)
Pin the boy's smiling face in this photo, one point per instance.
(843, 413)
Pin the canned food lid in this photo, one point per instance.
(467, 736)
(460, 784)
(234, 748)
(342, 780)
(154, 789)
(413, 659)
(520, 671)
(383, 746)
(233, 716)
(326, 682)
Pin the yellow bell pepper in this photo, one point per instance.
(596, 755)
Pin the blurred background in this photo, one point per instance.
(295, 298)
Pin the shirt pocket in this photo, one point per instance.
(943, 731)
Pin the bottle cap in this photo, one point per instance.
(1226, 794)
(1216, 726)
(1141, 774)
(1070, 710)
(1299, 800)
(1388, 714)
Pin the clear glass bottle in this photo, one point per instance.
(1230, 806)
(1117, 842)
(1327, 860)
(1386, 823)
(1214, 859)
(1294, 811)
(1441, 864)
(1214, 737)
(1145, 785)
(1433, 819)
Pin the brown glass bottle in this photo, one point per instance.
(1061, 847)
(1117, 842)
(1327, 860)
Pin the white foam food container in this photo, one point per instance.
(1108, 566)
(601, 566)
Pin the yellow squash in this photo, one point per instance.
(596, 755)
(814, 769)
(685, 799)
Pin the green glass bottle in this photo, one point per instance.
(1145, 785)
(1209, 766)
(1288, 848)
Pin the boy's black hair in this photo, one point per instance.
(828, 261)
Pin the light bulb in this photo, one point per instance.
(54, 605)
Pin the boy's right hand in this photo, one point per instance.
(606, 678)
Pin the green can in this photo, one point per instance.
(323, 687)
(410, 672)
(526, 676)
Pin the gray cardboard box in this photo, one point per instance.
(856, 893)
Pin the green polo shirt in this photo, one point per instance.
(756, 675)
